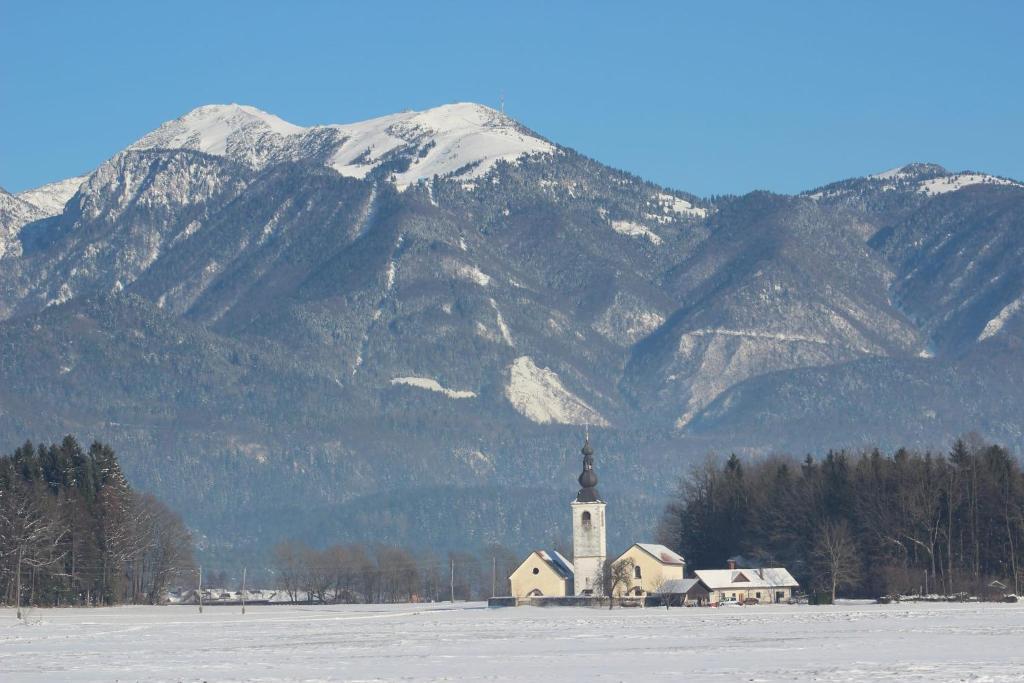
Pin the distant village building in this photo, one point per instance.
(653, 565)
(766, 585)
(543, 573)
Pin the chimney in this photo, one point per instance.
(760, 573)
(731, 564)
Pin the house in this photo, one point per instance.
(543, 573)
(653, 565)
(766, 585)
(684, 593)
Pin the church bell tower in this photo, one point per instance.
(588, 529)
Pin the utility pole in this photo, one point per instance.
(452, 584)
(243, 590)
(17, 583)
(200, 591)
(494, 574)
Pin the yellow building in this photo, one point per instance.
(542, 574)
(652, 566)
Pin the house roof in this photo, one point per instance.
(661, 553)
(769, 577)
(557, 562)
(677, 586)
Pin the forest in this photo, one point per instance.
(74, 532)
(861, 523)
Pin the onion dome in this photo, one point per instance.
(588, 478)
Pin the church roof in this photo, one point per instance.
(588, 478)
(556, 561)
(661, 553)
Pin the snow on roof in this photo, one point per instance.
(769, 577)
(661, 553)
(556, 561)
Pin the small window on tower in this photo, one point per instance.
(586, 519)
(536, 571)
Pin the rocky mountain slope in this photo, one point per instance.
(355, 330)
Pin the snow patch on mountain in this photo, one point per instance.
(431, 384)
(466, 272)
(627, 320)
(464, 140)
(952, 183)
(506, 335)
(677, 205)
(632, 229)
(538, 394)
(14, 213)
(996, 324)
(52, 197)
(220, 129)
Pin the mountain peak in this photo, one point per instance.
(910, 171)
(464, 139)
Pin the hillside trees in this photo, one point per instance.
(867, 522)
(72, 530)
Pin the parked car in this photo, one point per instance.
(729, 602)
(751, 601)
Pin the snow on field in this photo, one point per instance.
(469, 642)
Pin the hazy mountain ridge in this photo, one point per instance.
(431, 300)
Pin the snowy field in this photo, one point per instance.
(471, 642)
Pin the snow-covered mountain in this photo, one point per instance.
(463, 140)
(15, 212)
(52, 197)
(381, 318)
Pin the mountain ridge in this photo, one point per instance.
(440, 301)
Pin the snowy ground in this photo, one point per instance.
(470, 642)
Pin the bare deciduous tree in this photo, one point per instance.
(835, 556)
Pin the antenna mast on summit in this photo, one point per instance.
(501, 99)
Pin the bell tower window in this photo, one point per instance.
(586, 519)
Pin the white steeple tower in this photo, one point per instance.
(588, 529)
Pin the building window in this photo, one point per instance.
(636, 572)
(586, 519)
(536, 571)
(758, 595)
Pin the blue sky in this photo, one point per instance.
(711, 97)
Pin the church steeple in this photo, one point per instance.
(588, 478)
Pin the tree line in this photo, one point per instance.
(73, 532)
(358, 573)
(867, 523)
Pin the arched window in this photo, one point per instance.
(636, 572)
(586, 518)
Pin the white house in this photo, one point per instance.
(766, 585)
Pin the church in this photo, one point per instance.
(548, 574)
